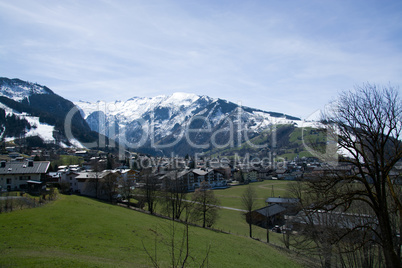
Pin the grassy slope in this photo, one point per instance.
(289, 143)
(234, 221)
(76, 231)
(231, 197)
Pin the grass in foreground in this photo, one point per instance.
(81, 232)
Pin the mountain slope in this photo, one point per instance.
(37, 111)
(180, 123)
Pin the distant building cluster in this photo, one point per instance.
(101, 175)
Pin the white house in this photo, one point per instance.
(192, 179)
(14, 175)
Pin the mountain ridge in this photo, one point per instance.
(38, 111)
(163, 120)
(180, 123)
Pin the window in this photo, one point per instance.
(8, 181)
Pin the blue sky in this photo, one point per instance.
(284, 56)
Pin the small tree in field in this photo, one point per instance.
(205, 205)
(109, 186)
(248, 200)
(174, 195)
(149, 192)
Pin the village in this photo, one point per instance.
(21, 172)
(101, 175)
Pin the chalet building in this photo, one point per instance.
(191, 179)
(15, 175)
(250, 175)
(290, 204)
(181, 181)
(69, 177)
(275, 213)
(93, 183)
(283, 201)
(268, 216)
(246, 174)
(129, 175)
(264, 174)
(200, 175)
(281, 173)
(214, 179)
(226, 172)
(53, 177)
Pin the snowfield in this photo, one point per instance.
(19, 92)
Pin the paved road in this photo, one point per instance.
(237, 209)
(11, 197)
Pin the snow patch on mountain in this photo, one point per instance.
(18, 90)
(42, 130)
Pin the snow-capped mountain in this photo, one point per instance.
(180, 123)
(31, 110)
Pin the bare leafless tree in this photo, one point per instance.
(174, 196)
(205, 205)
(249, 200)
(109, 185)
(178, 243)
(149, 192)
(367, 124)
(97, 166)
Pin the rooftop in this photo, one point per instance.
(281, 200)
(26, 167)
(270, 210)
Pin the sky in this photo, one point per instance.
(292, 57)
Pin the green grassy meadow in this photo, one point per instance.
(234, 222)
(75, 231)
(231, 197)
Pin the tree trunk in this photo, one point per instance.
(327, 255)
(204, 219)
(391, 257)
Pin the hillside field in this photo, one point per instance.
(234, 222)
(75, 231)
